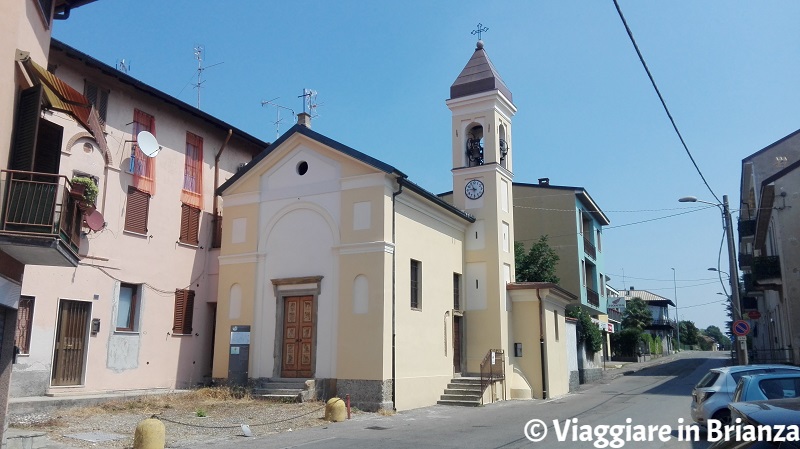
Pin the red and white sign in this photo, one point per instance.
(754, 314)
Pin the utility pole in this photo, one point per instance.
(741, 350)
(677, 319)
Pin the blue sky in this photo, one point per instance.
(587, 114)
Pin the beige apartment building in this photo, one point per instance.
(336, 268)
(131, 304)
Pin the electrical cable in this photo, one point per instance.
(663, 103)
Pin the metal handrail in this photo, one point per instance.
(493, 369)
(39, 204)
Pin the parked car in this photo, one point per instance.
(711, 396)
(772, 413)
(760, 387)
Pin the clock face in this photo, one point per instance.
(474, 189)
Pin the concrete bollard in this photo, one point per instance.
(335, 410)
(150, 434)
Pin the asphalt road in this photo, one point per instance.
(658, 396)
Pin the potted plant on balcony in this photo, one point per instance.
(84, 190)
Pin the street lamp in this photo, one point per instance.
(734, 278)
(677, 319)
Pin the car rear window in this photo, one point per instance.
(737, 376)
(708, 380)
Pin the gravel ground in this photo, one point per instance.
(179, 413)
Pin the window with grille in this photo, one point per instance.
(416, 284)
(136, 211)
(22, 338)
(190, 223)
(128, 308)
(184, 309)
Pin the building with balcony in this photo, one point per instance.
(769, 254)
(662, 326)
(120, 282)
(45, 235)
(573, 224)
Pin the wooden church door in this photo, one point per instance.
(298, 336)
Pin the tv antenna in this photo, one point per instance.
(278, 118)
(123, 66)
(310, 104)
(198, 54)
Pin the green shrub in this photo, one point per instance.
(90, 194)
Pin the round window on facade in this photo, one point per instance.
(302, 168)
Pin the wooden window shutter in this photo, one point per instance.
(136, 211)
(26, 129)
(184, 310)
(190, 224)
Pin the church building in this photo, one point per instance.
(337, 268)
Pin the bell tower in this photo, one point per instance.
(482, 150)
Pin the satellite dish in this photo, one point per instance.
(95, 220)
(148, 144)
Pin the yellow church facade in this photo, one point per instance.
(336, 268)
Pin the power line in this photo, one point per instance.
(663, 103)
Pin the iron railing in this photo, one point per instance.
(779, 355)
(662, 324)
(747, 228)
(40, 204)
(589, 248)
(767, 267)
(493, 369)
(592, 297)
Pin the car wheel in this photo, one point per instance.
(723, 416)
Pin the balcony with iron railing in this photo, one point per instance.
(40, 223)
(766, 268)
(593, 298)
(745, 261)
(662, 324)
(747, 228)
(589, 248)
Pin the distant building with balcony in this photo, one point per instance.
(769, 253)
(119, 292)
(573, 224)
(662, 326)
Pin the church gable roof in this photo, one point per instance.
(479, 75)
(305, 131)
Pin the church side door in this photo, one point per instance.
(298, 336)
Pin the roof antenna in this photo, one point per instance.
(278, 118)
(123, 66)
(198, 54)
(310, 104)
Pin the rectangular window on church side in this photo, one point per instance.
(416, 284)
(456, 291)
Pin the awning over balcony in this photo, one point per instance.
(61, 97)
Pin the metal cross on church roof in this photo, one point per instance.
(481, 29)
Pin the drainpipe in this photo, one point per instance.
(394, 289)
(216, 176)
(542, 346)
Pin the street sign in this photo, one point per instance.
(741, 338)
(740, 328)
(754, 314)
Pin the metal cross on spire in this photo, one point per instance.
(479, 30)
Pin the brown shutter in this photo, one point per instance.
(184, 311)
(136, 211)
(26, 129)
(190, 224)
